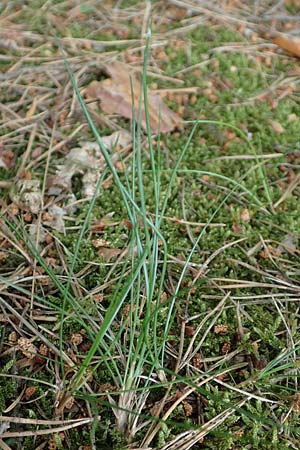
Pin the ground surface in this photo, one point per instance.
(159, 307)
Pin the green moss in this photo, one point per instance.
(8, 385)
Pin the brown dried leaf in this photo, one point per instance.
(289, 44)
(115, 96)
(109, 253)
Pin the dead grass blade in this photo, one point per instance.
(186, 440)
(65, 425)
(291, 187)
(35, 332)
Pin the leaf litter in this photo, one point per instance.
(117, 93)
(27, 194)
(84, 159)
(88, 161)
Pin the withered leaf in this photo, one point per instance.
(115, 96)
(27, 195)
(109, 253)
(56, 218)
(86, 160)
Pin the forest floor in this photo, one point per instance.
(149, 260)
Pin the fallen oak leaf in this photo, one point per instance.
(115, 96)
